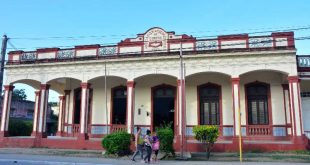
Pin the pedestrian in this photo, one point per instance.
(148, 146)
(139, 144)
(155, 146)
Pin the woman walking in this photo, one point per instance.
(139, 144)
(148, 146)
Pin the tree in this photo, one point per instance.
(19, 95)
(207, 135)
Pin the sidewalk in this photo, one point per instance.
(292, 156)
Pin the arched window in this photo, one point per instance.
(209, 97)
(257, 103)
(119, 105)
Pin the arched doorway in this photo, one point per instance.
(163, 100)
(119, 103)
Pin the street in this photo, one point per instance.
(16, 159)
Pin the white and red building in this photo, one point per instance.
(257, 75)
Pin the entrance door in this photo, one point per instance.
(163, 106)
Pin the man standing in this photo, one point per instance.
(138, 144)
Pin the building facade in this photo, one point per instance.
(145, 82)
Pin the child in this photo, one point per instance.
(155, 145)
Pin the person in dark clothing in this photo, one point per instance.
(148, 146)
(139, 143)
(155, 146)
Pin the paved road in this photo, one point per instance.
(21, 159)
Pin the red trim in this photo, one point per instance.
(288, 35)
(86, 47)
(46, 50)
(131, 84)
(16, 52)
(152, 101)
(8, 87)
(220, 101)
(85, 85)
(269, 103)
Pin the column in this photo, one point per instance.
(67, 111)
(294, 93)
(62, 103)
(8, 90)
(36, 113)
(182, 115)
(287, 109)
(130, 106)
(44, 88)
(236, 103)
(84, 111)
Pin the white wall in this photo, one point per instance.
(143, 95)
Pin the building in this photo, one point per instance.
(24, 110)
(257, 75)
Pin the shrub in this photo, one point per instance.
(18, 127)
(117, 143)
(207, 135)
(165, 134)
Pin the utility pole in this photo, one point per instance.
(182, 107)
(3, 52)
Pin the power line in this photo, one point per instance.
(290, 28)
(233, 44)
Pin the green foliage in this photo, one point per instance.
(19, 127)
(207, 135)
(165, 134)
(117, 143)
(19, 95)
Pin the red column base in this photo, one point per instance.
(82, 136)
(4, 134)
(39, 134)
(60, 133)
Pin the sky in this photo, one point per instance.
(36, 24)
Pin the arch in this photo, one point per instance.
(60, 84)
(52, 77)
(147, 75)
(207, 72)
(108, 77)
(245, 72)
(33, 83)
(219, 88)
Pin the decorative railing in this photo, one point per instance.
(132, 48)
(259, 130)
(118, 127)
(75, 128)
